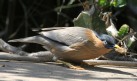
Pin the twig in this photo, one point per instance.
(130, 34)
(10, 18)
(109, 62)
(11, 49)
(8, 56)
(131, 53)
(18, 54)
(65, 7)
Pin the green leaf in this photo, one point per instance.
(103, 3)
(83, 20)
(118, 3)
(130, 41)
(93, 21)
(123, 30)
(115, 3)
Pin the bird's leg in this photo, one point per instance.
(69, 65)
(66, 64)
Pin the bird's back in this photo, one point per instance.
(68, 36)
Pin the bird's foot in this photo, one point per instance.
(69, 65)
(86, 65)
(77, 67)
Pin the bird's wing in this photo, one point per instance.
(68, 36)
(47, 29)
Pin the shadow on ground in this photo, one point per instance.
(44, 70)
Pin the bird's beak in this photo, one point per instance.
(116, 46)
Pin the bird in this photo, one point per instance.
(72, 44)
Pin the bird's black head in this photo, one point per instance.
(108, 41)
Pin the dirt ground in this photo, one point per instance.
(28, 71)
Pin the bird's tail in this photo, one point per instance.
(34, 39)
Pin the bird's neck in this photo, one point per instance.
(93, 38)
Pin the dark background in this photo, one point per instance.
(18, 17)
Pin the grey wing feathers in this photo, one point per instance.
(53, 28)
(67, 36)
(47, 29)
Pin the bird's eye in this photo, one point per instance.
(105, 42)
